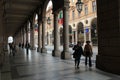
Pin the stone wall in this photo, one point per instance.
(108, 58)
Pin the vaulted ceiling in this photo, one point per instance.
(14, 13)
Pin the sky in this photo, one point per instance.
(49, 4)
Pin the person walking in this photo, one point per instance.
(88, 53)
(78, 51)
(13, 49)
(27, 46)
(19, 45)
(23, 45)
(10, 47)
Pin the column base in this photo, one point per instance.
(43, 50)
(38, 49)
(56, 53)
(108, 63)
(65, 55)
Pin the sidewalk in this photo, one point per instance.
(95, 52)
(42, 66)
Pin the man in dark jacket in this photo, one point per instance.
(27, 46)
(77, 53)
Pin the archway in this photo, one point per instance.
(80, 32)
(10, 39)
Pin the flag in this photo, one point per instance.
(60, 18)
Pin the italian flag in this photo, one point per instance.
(60, 17)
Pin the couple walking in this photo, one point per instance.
(78, 51)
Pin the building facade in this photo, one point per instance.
(82, 26)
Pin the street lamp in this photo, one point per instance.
(79, 5)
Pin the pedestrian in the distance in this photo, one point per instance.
(13, 49)
(27, 46)
(77, 54)
(88, 53)
(19, 45)
(23, 45)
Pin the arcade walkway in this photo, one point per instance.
(37, 66)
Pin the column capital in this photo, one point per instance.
(66, 5)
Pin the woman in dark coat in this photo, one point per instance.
(77, 53)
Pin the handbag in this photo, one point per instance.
(74, 55)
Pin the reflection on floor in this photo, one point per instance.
(42, 66)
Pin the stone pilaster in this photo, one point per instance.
(23, 33)
(56, 51)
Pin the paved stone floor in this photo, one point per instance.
(42, 66)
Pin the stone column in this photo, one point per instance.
(84, 36)
(23, 33)
(39, 36)
(108, 58)
(26, 32)
(56, 51)
(32, 35)
(43, 50)
(65, 54)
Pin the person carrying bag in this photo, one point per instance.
(78, 51)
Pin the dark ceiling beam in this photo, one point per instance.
(21, 12)
(15, 16)
(26, 1)
(13, 22)
(22, 7)
(17, 13)
(33, 2)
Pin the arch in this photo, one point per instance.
(10, 39)
(45, 7)
(94, 36)
(80, 28)
(80, 32)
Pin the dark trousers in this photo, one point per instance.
(86, 59)
(77, 61)
(27, 50)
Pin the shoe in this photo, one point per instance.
(77, 67)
